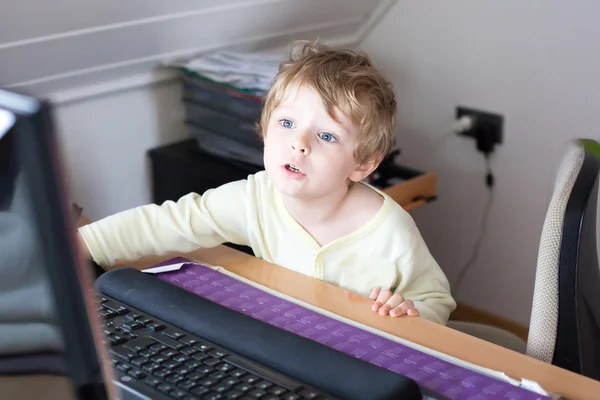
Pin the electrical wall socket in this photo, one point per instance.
(486, 128)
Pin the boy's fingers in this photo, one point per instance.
(392, 303)
(375, 293)
(413, 312)
(407, 307)
(384, 296)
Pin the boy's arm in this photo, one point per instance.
(424, 282)
(194, 221)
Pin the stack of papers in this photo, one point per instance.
(253, 72)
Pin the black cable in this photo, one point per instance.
(489, 181)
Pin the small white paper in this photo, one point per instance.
(534, 387)
(164, 268)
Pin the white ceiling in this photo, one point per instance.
(61, 45)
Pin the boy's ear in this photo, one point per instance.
(365, 169)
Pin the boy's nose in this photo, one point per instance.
(300, 144)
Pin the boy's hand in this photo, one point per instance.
(393, 304)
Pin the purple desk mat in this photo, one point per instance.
(441, 376)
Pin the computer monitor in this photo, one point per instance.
(43, 277)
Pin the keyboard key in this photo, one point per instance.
(237, 373)
(207, 382)
(136, 373)
(174, 378)
(177, 394)
(165, 388)
(161, 373)
(277, 391)
(116, 307)
(233, 395)
(218, 375)
(159, 358)
(224, 367)
(200, 390)
(150, 367)
(167, 341)
(170, 364)
(263, 385)
(152, 382)
(155, 327)
(123, 367)
(211, 361)
(144, 320)
(188, 340)
(169, 353)
(131, 326)
(108, 331)
(202, 347)
(188, 351)
(147, 353)
(309, 394)
(195, 376)
(181, 358)
(212, 396)
(193, 364)
(138, 361)
(251, 379)
(122, 353)
(158, 347)
(173, 333)
(244, 387)
(216, 353)
(221, 388)
(186, 384)
(132, 317)
(116, 339)
(291, 396)
(199, 356)
(106, 314)
(205, 370)
(257, 393)
(182, 370)
(231, 381)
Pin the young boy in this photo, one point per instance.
(327, 122)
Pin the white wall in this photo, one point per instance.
(104, 141)
(536, 63)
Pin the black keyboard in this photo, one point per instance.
(149, 352)
(168, 340)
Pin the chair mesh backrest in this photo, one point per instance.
(544, 313)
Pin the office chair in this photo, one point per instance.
(565, 317)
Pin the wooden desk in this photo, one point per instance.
(352, 306)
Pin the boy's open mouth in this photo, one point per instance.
(293, 168)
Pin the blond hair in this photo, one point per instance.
(345, 79)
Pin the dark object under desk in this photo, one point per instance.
(181, 168)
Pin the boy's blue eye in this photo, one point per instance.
(286, 123)
(328, 137)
